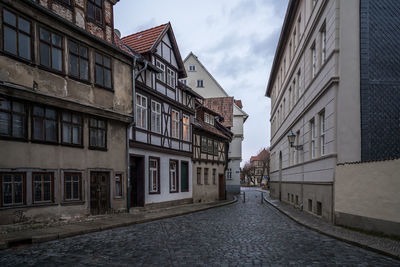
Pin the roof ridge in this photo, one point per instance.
(165, 24)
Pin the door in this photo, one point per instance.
(221, 186)
(99, 192)
(184, 176)
(137, 181)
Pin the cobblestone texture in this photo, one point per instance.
(247, 234)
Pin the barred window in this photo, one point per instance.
(198, 175)
(205, 175)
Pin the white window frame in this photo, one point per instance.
(170, 77)
(313, 60)
(175, 124)
(173, 179)
(155, 117)
(186, 127)
(323, 44)
(229, 174)
(160, 66)
(141, 111)
(153, 171)
(192, 68)
(322, 133)
(313, 138)
(200, 83)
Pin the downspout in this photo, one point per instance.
(128, 129)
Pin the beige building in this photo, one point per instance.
(65, 104)
(331, 89)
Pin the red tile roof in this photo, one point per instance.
(143, 41)
(209, 128)
(223, 106)
(239, 103)
(259, 156)
(120, 44)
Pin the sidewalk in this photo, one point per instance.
(381, 245)
(100, 223)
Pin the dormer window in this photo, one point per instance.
(161, 66)
(200, 83)
(95, 10)
(192, 68)
(208, 119)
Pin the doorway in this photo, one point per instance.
(99, 192)
(137, 181)
(221, 186)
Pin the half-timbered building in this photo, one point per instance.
(210, 155)
(161, 140)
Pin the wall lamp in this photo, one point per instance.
(292, 138)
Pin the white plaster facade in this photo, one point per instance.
(210, 89)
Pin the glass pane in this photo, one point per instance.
(99, 3)
(24, 46)
(98, 15)
(18, 126)
(24, 25)
(47, 177)
(44, 35)
(50, 113)
(102, 124)
(66, 116)
(66, 133)
(51, 131)
(18, 193)
(93, 122)
(38, 111)
(17, 178)
(99, 58)
(7, 193)
(38, 128)
(73, 65)
(101, 139)
(68, 178)
(7, 178)
(44, 54)
(18, 107)
(93, 137)
(37, 178)
(68, 190)
(84, 70)
(10, 40)
(99, 75)
(56, 40)
(5, 123)
(76, 190)
(107, 62)
(47, 191)
(73, 47)
(83, 52)
(9, 18)
(76, 135)
(90, 10)
(5, 104)
(107, 78)
(38, 191)
(56, 59)
(76, 119)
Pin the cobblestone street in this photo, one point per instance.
(248, 233)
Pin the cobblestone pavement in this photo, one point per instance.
(248, 233)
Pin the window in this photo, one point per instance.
(155, 117)
(175, 124)
(160, 66)
(313, 61)
(118, 185)
(313, 137)
(51, 50)
(184, 82)
(284, 109)
(12, 188)
(192, 68)
(298, 85)
(67, 2)
(319, 208)
(154, 175)
(186, 128)
(229, 174)
(78, 61)
(292, 198)
(214, 176)
(297, 200)
(215, 148)
(141, 111)
(204, 146)
(173, 176)
(288, 197)
(103, 70)
(298, 27)
(208, 119)
(322, 133)
(210, 146)
(12, 119)
(294, 93)
(16, 35)
(294, 41)
(42, 187)
(184, 176)
(72, 186)
(95, 10)
(45, 126)
(205, 175)
(97, 134)
(71, 128)
(200, 83)
(323, 44)
(290, 98)
(297, 144)
(310, 205)
(198, 175)
(170, 78)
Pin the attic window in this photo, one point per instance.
(192, 68)
(95, 10)
(208, 119)
(200, 83)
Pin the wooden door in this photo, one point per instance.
(99, 192)
(184, 176)
(137, 182)
(221, 186)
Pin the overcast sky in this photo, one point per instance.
(234, 39)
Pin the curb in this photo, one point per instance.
(5, 244)
(349, 241)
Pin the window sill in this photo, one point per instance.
(42, 204)
(72, 202)
(173, 192)
(110, 89)
(16, 206)
(45, 68)
(11, 138)
(18, 58)
(80, 80)
(44, 142)
(72, 145)
(154, 193)
(98, 148)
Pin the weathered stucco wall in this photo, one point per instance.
(369, 190)
(206, 192)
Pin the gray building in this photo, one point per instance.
(334, 92)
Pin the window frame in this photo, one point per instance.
(72, 124)
(205, 176)
(162, 74)
(170, 77)
(323, 43)
(192, 67)
(11, 113)
(313, 61)
(79, 58)
(23, 174)
(313, 137)
(176, 190)
(56, 120)
(103, 67)
(157, 169)
(50, 44)
(215, 147)
(198, 175)
(186, 125)
(93, 20)
(214, 176)
(105, 129)
(120, 176)
(175, 124)
(17, 31)
(322, 129)
(143, 111)
(200, 83)
(80, 197)
(52, 182)
(156, 115)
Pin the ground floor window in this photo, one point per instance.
(184, 176)
(72, 186)
(42, 187)
(12, 188)
(205, 175)
(154, 175)
(173, 176)
(214, 176)
(229, 174)
(198, 175)
(118, 185)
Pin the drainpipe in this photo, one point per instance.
(128, 129)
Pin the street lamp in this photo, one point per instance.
(292, 138)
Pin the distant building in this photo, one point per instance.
(259, 163)
(334, 89)
(218, 100)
